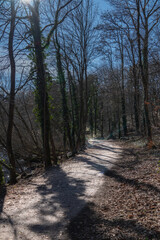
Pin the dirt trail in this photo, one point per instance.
(43, 208)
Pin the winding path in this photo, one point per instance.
(42, 209)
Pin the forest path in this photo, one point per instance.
(43, 208)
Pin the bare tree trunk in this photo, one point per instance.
(124, 118)
(73, 125)
(81, 132)
(136, 112)
(144, 70)
(75, 110)
(136, 86)
(41, 83)
(85, 118)
(53, 149)
(95, 114)
(91, 107)
(123, 102)
(62, 81)
(102, 121)
(12, 96)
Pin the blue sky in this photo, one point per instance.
(102, 4)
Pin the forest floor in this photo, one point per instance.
(127, 206)
(110, 191)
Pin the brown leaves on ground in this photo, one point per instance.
(128, 205)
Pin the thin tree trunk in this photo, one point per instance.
(62, 82)
(124, 117)
(53, 149)
(95, 114)
(136, 86)
(73, 131)
(144, 70)
(85, 118)
(12, 96)
(91, 116)
(102, 121)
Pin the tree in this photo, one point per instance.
(145, 11)
(41, 83)
(117, 41)
(77, 44)
(136, 20)
(12, 94)
(62, 81)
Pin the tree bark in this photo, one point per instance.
(62, 81)
(12, 96)
(136, 88)
(144, 69)
(124, 118)
(102, 121)
(41, 83)
(123, 103)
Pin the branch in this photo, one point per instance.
(56, 23)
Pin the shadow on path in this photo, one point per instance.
(2, 197)
(61, 198)
(63, 194)
(93, 223)
(90, 224)
(110, 158)
(103, 158)
(133, 182)
(60, 195)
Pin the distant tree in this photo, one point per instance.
(136, 20)
(78, 51)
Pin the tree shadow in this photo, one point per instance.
(91, 224)
(133, 182)
(121, 156)
(61, 199)
(119, 178)
(105, 160)
(8, 221)
(93, 165)
(104, 147)
(5, 218)
(60, 195)
(128, 164)
(65, 192)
